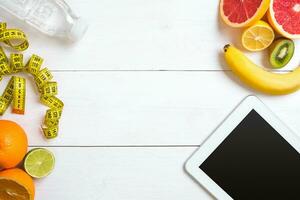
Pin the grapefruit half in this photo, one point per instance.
(242, 13)
(284, 16)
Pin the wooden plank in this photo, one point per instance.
(144, 108)
(120, 173)
(143, 35)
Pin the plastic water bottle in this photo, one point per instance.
(52, 17)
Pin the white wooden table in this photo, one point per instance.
(145, 86)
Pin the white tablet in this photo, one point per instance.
(251, 155)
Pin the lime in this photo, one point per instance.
(39, 162)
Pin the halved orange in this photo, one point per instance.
(15, 184)
(242, 13)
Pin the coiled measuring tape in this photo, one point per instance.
(15, 90)
(19, 95)
(14, 38)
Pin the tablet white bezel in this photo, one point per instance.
(223, 130)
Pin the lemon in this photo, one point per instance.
(39, 162)
(258, 36)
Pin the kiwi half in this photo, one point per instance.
(281, 52)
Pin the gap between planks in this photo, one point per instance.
(156, 70)
(115, 146)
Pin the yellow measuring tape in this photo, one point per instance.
(19, 95)
(14, 38)
(15, 90)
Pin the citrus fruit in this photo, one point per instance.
(258, 37)
(39, 163)
(15, 184)
(237, 13)
(284, 16)
(13, 144)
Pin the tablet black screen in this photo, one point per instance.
(255, 162)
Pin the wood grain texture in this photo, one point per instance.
(120, 174)
(143, 35)
(147, 73)
(145, 108)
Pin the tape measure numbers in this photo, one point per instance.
(14, 38)
(15, 91)
(19, 95)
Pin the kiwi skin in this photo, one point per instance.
(278, 47)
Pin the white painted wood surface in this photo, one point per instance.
(142, 90)
(143, 35)
(145, 108)
(120, 173)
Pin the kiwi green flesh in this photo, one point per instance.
(282, 52)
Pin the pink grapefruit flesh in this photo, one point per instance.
(240, 13)
(286, 16)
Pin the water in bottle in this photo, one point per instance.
(52, 17)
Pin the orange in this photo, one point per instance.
(237, 13)
(13, 144)
(284, 16)
(15, 184)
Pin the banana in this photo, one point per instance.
(259, 78)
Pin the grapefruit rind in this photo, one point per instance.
(261, 11)
(278, 27)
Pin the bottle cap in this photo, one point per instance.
(78, 30)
